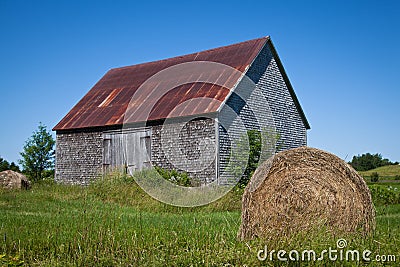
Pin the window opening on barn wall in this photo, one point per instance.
(106, 150)
(146, 143)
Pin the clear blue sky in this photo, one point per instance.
(342, 58)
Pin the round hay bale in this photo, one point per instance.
(305, 189)
(13, 180)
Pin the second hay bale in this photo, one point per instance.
(304, 188)
(13, 180)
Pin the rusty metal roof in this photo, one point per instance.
(106, 103)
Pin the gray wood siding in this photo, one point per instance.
(189, 138)
(79, 156)
(127, 150)
(268, 79)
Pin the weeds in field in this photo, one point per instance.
(385, 194)
(113, 222)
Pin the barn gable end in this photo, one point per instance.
(269, 75)
(274, 100)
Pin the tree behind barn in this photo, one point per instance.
(5, 165)
(369, 161)
(38, 154)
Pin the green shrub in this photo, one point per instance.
(253, 148)
(374, 177)
(385, 195)
(397, 177)
(179, 178)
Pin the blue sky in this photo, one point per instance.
(342, 58)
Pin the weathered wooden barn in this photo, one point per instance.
(185, 127)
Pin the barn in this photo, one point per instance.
(184, 113)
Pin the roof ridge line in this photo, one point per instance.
(185, 55)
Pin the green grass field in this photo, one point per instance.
(385, 172)
(114, 223)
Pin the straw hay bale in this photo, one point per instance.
(302, 189)
(13, 180)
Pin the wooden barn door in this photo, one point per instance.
(127, 151)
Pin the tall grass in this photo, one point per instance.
(114, 223)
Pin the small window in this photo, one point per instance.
(107, 151)
(146, 143)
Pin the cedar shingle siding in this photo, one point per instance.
(83, 153)
(79, 156)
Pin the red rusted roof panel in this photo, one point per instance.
(106, 103)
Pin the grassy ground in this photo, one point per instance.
(385, 172)
(114, 223)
